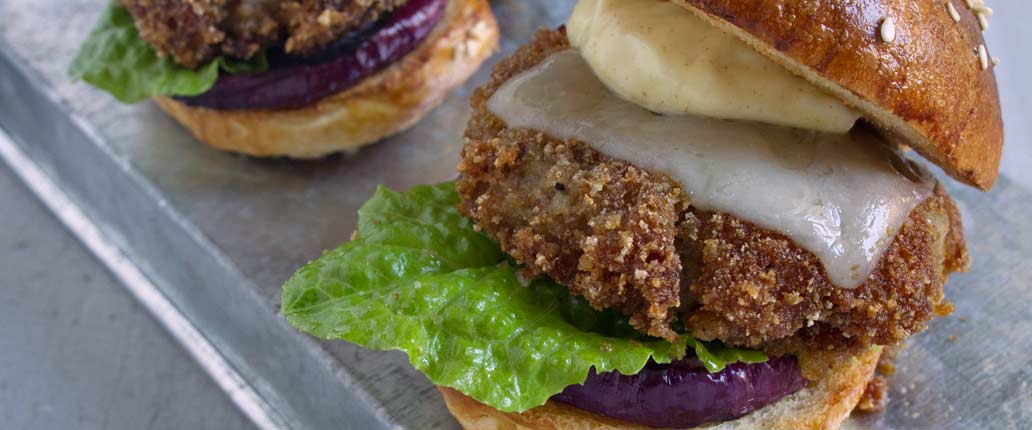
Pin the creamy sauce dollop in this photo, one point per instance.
(839, 196)
(659, 55)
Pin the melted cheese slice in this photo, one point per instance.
(659, 55)
(839, 196)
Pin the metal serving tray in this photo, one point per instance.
(205, 240)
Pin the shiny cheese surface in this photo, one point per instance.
(659, 55)
(841, 196)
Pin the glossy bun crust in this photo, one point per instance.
(926, 88)
(379, 106)
(838, 379)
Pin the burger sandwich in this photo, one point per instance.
(681, 214)
(296, 78)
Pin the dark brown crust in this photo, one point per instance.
(926, 88)
(756, 285)
(617, 250)
(312, 24)
(185, 30)
(604, 229)
(619, 236)
(192, 32)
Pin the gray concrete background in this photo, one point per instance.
(76, 350)
(1010, 39)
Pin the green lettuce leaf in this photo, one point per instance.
(116, 59)
(419, 278)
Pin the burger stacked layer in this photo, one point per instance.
(296, 78)
(655, 225)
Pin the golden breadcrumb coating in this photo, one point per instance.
(628, 239)
(756, 285)
(193, 32)
(606, 230)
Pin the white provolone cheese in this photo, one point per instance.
(838, 195)
(659, 55)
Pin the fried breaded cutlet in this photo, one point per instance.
(193, 32)
(629, 239)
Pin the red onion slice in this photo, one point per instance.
(297, 83)
(683, 394)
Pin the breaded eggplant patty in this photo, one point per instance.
(629, 239)
(193, 32)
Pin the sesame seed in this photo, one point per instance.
(953, 11)
(888, 30)
(983, 57)
(983, 10)
(996, 61)
(983, 22)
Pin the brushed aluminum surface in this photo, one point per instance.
(219, 233)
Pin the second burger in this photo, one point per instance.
(300, 78)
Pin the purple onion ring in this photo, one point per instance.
(293, 84)
(684, 394)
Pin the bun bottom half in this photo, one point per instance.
(837, 381)
(383, 104)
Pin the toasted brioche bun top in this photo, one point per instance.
(926, 88)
